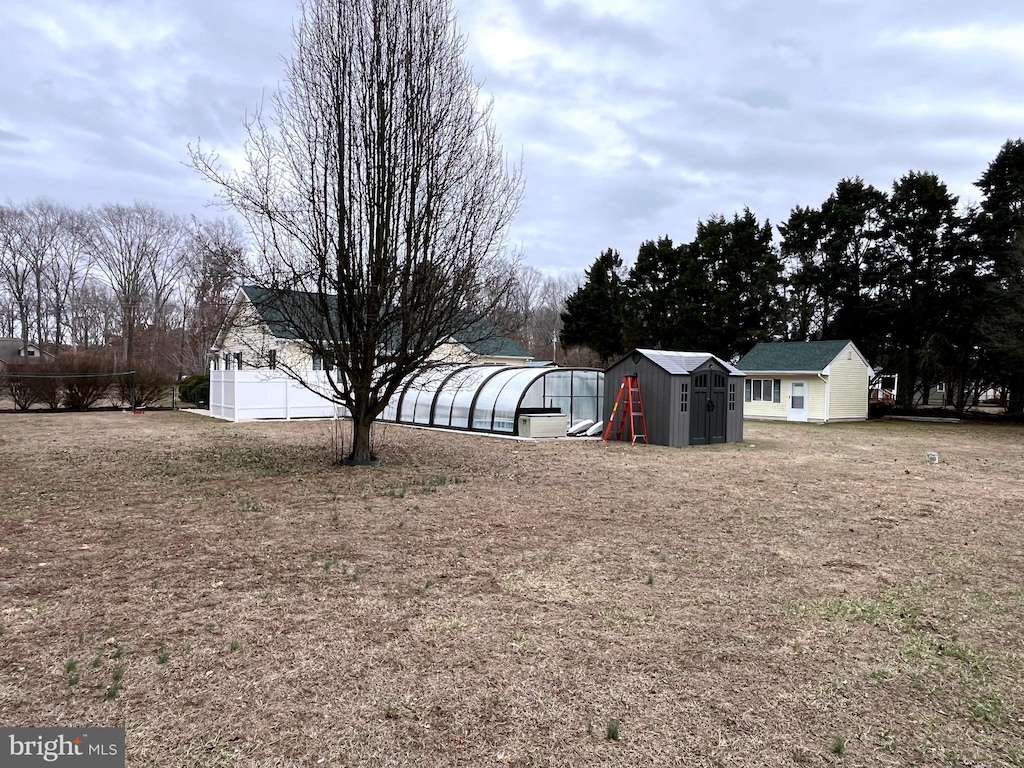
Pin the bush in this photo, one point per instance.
(148, 386)
(195, 389)
(47, 389)
(88, 379)
(21, 390)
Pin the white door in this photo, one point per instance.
(797, 401)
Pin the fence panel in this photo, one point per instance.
(239, 395)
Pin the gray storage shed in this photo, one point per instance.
(690, 398)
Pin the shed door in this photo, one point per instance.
(709, 410)
(717, 411)
(699, 408)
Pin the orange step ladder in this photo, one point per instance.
(629, 406)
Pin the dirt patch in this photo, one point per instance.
(813, 595)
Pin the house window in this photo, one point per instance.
(940, 388)
(684, 398)
(272, 359)
(31, 353)
(238, 360)
(763, 391)
(227, 362)
(318, 363)
(216, 363)
(732, 396)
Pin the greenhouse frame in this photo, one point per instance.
(491, 398)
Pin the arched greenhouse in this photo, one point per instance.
(492, 398)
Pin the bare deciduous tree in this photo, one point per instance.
(96, 313)
(215, 257)
(42, 223)
(139, 251)
(378, 193)
(15, 268)
(68, 271)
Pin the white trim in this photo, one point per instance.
(756, 374)
(827, 396)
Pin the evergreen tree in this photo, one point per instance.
(593, 315)
(744, 275)
(852, 222)
(1001, 233)
(667, 293)
(801, 250)
(912, 275)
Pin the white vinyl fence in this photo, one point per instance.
(239, 395)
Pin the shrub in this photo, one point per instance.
(195, 389)
(88, 377)
(21, 390)
(46, 385)
(148, 386)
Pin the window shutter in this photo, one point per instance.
(777, 394)
(746, 390)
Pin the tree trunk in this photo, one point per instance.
(361, 443)
(1015, 397)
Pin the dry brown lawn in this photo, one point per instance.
(816, 595)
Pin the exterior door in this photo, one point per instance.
(708, 407)
(701, 397)
(797, 410)
(717, 409)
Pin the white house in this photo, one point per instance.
(256, 346)
(256, 336)
(816, 381)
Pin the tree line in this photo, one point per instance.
(139, 287)
(927, 288)
(134, 285)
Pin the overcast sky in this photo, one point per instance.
(634, 118)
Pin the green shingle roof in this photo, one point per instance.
(272, 306)
(481, 338)
(791, 356)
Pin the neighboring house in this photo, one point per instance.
(14, 352)
(689, 398)
(482, 343)
(255, 335)
(816, 381)
(936, 396)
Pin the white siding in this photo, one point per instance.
(815, 397)
(848, 382)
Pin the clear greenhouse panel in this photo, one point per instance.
(490, 398)
(442, 412)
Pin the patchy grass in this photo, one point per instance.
(814, 595)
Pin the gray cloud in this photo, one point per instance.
(633, 120)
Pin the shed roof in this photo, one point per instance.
(792, 355)
(672, 361)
